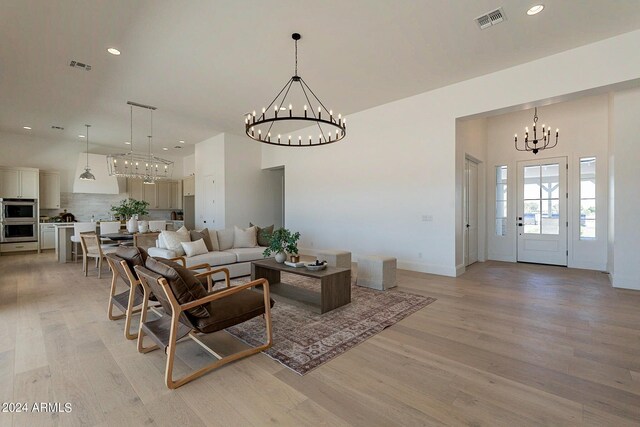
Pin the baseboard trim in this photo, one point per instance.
(460, 269)
(625, 282)
(440, 270)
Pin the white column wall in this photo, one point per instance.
(398, 162)
(626, 158)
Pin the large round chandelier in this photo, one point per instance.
(274, 125)
(140, 165)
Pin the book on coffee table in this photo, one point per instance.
(294, 264)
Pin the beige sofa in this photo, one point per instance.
(237, 260)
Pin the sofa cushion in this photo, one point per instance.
(183, 283)
(173, 240)
(247, 254)
(231, 310)
(212, 258)
(194, 248)
(264, 234)
(245, 237)
(204, 235)
(225, 238)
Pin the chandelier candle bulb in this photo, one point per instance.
(319, 113)
(305, 111)
(289, 139)
(299, 140)
(290, 110)
(269, 137)
(278, 139)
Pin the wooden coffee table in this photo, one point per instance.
(334, 291)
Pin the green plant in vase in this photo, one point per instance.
(130, 207)
(282, 241)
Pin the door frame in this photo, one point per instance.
(481, 219)
(564, 223)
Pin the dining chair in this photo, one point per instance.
(80, 227)
(91, 248)
(157, 225)
(145, 240)
(109, 227)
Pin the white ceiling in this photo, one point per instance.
(205, 63)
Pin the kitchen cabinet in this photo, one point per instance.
(47, 236)
(168, 195)
(161, 195)
(49, 190)
(189, 186)
(19, 183)
(134, 188)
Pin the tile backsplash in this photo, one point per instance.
(83, 205)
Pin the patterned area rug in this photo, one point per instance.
(303, 340)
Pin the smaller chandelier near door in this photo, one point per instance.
(536, 144)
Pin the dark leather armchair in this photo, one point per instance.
(189, 310)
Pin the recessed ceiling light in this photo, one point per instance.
(165, 148)
(181, 142)
(80, 136)
(26, 127)
(113, 51)
(127, 142)
(533, 10)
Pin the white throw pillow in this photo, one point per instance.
(173, 240)
(198, 247)
(225, 238)
(245, 238)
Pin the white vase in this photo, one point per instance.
(281, 257)
(143, 226)
(132, 225)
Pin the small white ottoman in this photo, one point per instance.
(377, 272)
(335, 258)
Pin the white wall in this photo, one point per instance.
(210, 175)
(242, 192)
(626, 147)
(471, 140)
(399, 160)
(584, 132)
(189, 165)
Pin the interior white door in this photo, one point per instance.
(542, 211)
(471, 212)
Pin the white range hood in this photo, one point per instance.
(103, 184)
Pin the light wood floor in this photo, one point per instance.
(505, 344)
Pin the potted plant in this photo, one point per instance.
(130, 209)
(282, 241)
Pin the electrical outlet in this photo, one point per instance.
(419, 254)
(427, 218)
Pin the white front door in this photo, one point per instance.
(542, 211)
(471, 212)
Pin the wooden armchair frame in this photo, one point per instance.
(177, 329)
(133, 304)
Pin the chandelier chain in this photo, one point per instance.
(296, 44)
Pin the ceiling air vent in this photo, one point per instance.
(492, 18)
(57, 127)
(76, 64)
